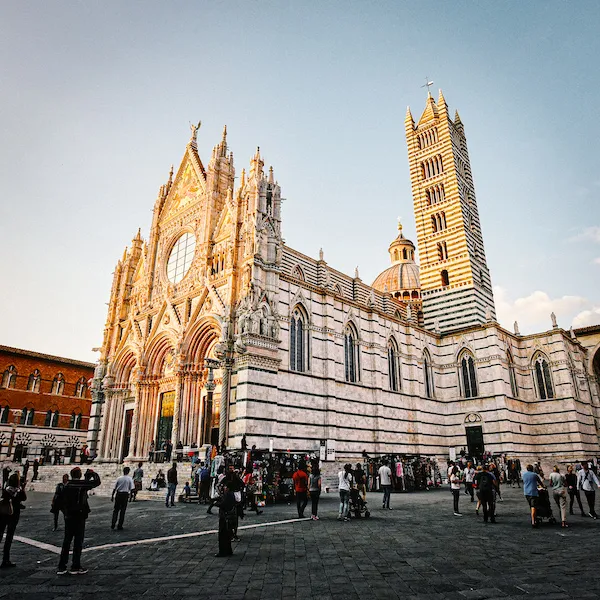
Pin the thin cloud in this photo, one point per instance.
(589, 234)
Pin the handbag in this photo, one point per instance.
(237, 496)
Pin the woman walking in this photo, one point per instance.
(227, 521)
(55, 508)
(455, 487)
(10, 511)
(571, 482)
(314, 488)
(346, 482)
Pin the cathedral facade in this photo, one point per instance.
(217, 329)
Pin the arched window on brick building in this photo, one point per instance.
(35, 380)
(9, 378)
(58, 384)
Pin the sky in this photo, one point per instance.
(97, 98)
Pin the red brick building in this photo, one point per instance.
(44, 403)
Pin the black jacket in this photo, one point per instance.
(74, 496)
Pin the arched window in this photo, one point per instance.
(9, 379)
(27, 416)
(468, 376)
(81, 388)
(55, 418)
(298, 341)
(78, 419)
(512, 375)
(58, 384)
(4, 411)
(48, 420)
(351, 355)
(394, 374)
(428, 375)
(445, 278)
(72, 421)
(35, 379)
(543, 379)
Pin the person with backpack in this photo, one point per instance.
(75, 507)
(56, 499)
(11, 505)
(485, 483)
(588, 482)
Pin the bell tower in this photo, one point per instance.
(455, 281)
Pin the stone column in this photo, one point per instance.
(177, 408)
(95, 422)
(137, 392)
(224, 404)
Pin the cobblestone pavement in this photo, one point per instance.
(418, 550)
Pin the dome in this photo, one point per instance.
(402, 278)
(399, 277)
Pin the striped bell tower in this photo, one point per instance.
(455, 281)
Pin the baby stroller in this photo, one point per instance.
(358, 507)
(544, 508)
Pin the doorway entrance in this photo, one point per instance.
(475, 441)
(127, 434)
(164, 428)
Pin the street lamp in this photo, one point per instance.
(16, 417)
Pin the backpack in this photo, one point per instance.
(485, 482)
(74, 501)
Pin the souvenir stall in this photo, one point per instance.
(410, 473)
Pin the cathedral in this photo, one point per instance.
(217, 329)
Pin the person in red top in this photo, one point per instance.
(300, 478)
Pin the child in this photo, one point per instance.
(187, 490)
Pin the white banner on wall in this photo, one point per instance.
(330, 450)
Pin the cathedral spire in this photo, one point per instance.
(271, 177)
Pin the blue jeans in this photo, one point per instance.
(171, 493)
(344, 503)
(387, 491)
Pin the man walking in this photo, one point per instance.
(485, 482)
(36, 468)
(531, 481)
(586, 480)
(300, 478)
(171, 485)
(75, 506)
(138, 478)
(123, 487)
(385, 481)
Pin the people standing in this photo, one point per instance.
(385, 481)
(168, 448)
(138, 478)
(571, 482)
(151, 452)
(179, 453)
(345, 484)
(485, 483)
(75, 507)
(227, 520)
(120, 496)
(300, 478)
(10, 511)
(314, 488)
(36, 468)
(5, 475)
(360, 477)
(531, 480)
(588, 482)
(171, 485)
(26, 469)
(236, 485)
(469, 474)
(204, 478)
(455, 488)
(56, 500)
(559, 493)
(496, 473)
(249, 493)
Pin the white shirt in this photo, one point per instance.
(385, 475)
(454, 482)
(469, 474)
(585, 480)
(124, 484)
(344, 481)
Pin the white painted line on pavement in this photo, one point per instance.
(37, 544)
(186, 535)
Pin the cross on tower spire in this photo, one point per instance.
(428, 85)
